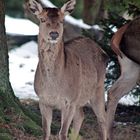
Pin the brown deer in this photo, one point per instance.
(126, 44)
(68, 75)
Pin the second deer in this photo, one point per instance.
(126, 44)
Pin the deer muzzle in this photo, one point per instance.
(54, 35)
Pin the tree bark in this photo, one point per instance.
(10, 107)
(93, 11)
(4, 68)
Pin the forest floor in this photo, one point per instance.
(127, 122)
(126, 126)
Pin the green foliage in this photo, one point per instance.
(31, 127)
(115, 20)
(5, 136)
(7, 103)
(72, 136)
(113, 69)
(4, 130)
(119, 6)
(14, 8)
(33, 115)
(133, 10)
(11, 113)
(116, 5)
(78, 8)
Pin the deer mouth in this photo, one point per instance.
(52, 41)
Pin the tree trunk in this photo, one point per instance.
(5, 86)
(93, 11)
(12, 114)
(4, 68)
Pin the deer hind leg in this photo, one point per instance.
(67, 114)
(98, 106)
(129, 76)
(77, 122)
(46, 113)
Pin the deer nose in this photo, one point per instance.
(54, 35)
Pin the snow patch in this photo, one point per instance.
(20, 26)
(22, 65)
(48, 3)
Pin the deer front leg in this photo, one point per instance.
(77, 122)
(67, 114)
(46, 113)
(122, 86)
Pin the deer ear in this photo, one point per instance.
(35, 7)
(68, 7)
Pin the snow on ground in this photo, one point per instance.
(20, 26)
(22, 65)
(128, 100)
(48, 3)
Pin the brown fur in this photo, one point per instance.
(127, 40)
(130, 70)
(116, 40)
(72, 77)
(68, 76)
(130, 43)
(52, 12)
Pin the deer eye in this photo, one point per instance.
(42, 20)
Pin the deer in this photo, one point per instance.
(126, 44)
(68, 75)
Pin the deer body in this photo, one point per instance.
(68, 75)
(70, 78)
(128, 57)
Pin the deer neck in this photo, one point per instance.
(51, 56)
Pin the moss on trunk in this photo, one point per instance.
(12, 116)
(5, 136)
(15, 121)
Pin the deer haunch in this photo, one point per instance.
(126, 44)
(127, 40)
(130, 43)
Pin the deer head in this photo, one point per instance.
(51, 19)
